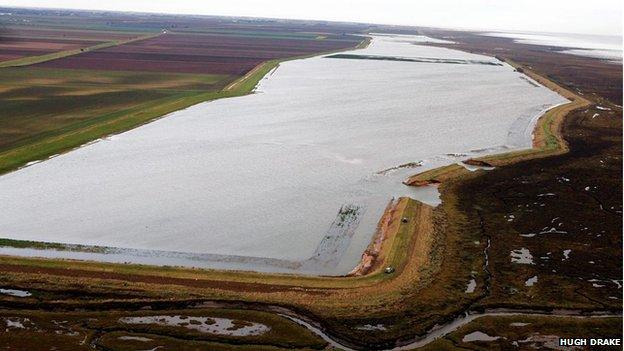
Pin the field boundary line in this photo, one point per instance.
(33, 60)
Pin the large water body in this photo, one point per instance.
(256, 182)
(608, 47)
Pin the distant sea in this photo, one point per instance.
(600, 46)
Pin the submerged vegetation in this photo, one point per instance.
(413, 59)
(347, 213)
(39, 245)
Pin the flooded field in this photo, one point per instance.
(292, 178)
(607, 47)
(221, 326)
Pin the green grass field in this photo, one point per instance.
(47, 111)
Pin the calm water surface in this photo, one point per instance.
(256, 182)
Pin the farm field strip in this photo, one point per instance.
(40, 102)
(31, 32)
(32, 60)
(184, 53)
(18, 42)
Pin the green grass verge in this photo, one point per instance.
(40, 103)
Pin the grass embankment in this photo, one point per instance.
(407, 59)
(27, 244)
(31, 60)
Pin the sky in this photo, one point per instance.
(568, 16)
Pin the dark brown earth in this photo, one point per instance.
(22, 41)
(200, 53)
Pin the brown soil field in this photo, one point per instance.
(197, 53)
(18, 42)
(12, 49)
